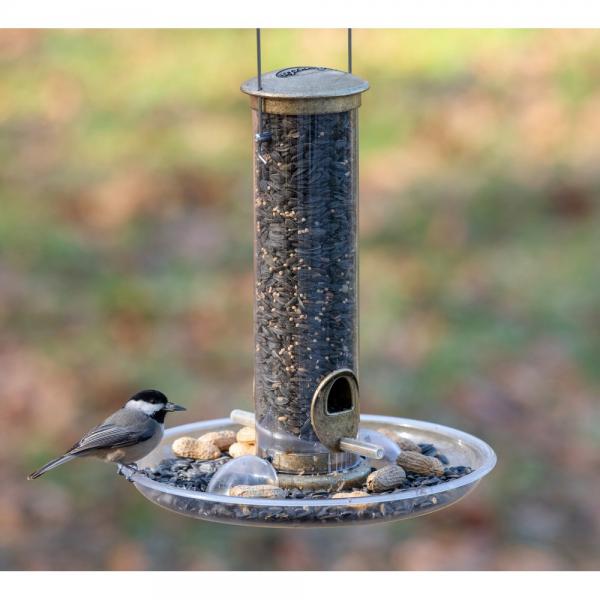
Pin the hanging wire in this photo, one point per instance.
(261, 136)
(258, 60)
(349, 50)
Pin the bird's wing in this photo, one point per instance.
(109, 436)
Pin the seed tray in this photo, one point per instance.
(458, 447)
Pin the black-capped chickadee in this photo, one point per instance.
(126, 436)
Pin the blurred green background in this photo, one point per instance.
(125, 262)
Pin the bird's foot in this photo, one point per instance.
(132, 468)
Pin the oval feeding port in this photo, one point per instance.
(334, 410)
(340, 397)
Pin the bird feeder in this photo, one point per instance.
(305, 258)
(306, 374)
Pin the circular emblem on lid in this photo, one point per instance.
(291, 71)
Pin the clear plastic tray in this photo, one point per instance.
(460, 448)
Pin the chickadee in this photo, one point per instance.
(126, 436)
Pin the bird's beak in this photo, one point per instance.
(170, 407)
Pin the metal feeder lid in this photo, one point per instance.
(306, 90)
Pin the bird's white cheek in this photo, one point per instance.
(146, 407)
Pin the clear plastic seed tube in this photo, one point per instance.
(305, 263)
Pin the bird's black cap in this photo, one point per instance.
(151, 396)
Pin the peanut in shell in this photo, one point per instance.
(241, 449)
(257, 491)
(386, 478)
(188, 447)
(402, 442)
(221, 439)
(246, 435)
(354, 494)
(416, 462)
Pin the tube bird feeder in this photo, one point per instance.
(305, 263)
(310, 438)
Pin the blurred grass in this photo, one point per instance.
(125, 262)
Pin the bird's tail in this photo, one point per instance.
(51, 465)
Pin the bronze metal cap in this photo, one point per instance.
(306, 90)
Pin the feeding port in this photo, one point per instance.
(306, 456)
